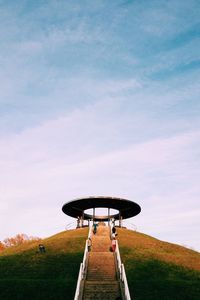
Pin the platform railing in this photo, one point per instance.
(82, 270)
(70, 226)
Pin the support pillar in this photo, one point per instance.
(120, 220)
(93, 215)
(82, 219)
(109, 216)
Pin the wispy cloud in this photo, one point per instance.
(45, 167)
(100, 98)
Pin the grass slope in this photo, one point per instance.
(27, 274)
(155, 270)
(159, 270)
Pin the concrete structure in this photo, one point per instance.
(76, 209)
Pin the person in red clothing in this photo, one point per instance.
(113, 244)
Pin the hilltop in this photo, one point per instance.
(155, 269)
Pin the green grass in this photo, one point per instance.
(155, 270)
(27, 274)
(158, 270)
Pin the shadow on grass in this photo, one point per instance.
(39, 276)
(154, 279)
(38, 289)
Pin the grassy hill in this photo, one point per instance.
(155, 269)
(27, 274)
(159, 270)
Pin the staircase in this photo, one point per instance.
(101, 280)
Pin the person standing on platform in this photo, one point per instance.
(95, 228)
(78, 222)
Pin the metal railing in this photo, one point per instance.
(122, 273)
(70, 226)
(82, 270)
(121, 270)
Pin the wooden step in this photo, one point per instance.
(108, 290)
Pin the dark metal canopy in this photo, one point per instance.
(126, 208)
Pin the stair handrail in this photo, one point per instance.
(121, 269)
(122, 273)
(119, 263)
(83, 266)
(124, 280)
(78, 285)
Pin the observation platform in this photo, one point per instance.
(126, 208)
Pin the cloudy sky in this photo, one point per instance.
(100, 98)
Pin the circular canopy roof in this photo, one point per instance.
(126, 208)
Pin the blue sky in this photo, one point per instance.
(100, 98)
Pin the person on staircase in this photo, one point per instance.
(113, 243)
(113, 222)
(89, 244)
(114, 231)
(95, 227)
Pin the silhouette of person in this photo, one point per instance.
(113, 232)
(89, 244)
(113, 229)
(78, 222)
(95, 228)
(42, 248)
